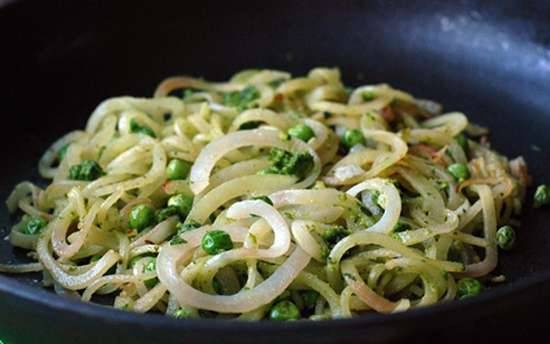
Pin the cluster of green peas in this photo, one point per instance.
(350, 138)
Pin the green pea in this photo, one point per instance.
(542, 196)
(284, 311)
(183, 313)
(216, 241)
(177, 169)
(310, 298)
(459, 172)
(506, 237)
(401, 227)
(302, 132)
(468, 287)
(141, 217)
(352, 137)
(182, 202)
(87, 170)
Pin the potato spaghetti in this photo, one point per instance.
(270, 197)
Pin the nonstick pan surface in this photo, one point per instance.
(491, 60)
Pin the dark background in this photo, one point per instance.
(489, 59)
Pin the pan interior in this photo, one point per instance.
(488, 63)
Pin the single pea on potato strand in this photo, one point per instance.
(353, 137)
(301, 132)
(468, 287)
(284, 311)
(178, 169)
(506, 237)
(141, 217)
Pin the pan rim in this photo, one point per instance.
(56, 303)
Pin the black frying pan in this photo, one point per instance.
(58, 60)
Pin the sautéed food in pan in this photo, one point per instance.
(270, 197)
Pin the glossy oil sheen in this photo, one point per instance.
(491, 60)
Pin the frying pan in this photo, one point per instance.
(491, 60)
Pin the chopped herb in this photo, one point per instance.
(165, 213)
(250, 125)
(216, 241)
(137, 128)
(266, 199)
(62, 151)
(87, 170)
(243, 99)
(276, 83)
(334, 234)
(401, 227)
(189, 225)
(177, 240)
(298, 164)
(31, 225)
